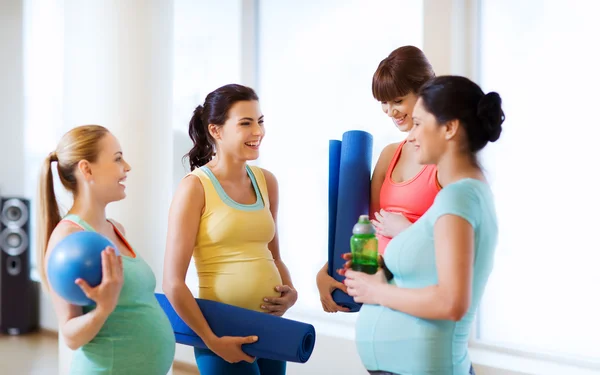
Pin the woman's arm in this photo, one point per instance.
(184, 221)
(273, 190)
(77, 328)
(183, 224)
(450, 298)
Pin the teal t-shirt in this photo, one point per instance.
(390, 340)
(137, 338)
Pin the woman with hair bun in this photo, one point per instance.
(419, 322)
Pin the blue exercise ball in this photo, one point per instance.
(77, 256)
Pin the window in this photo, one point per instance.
(315, 67)
(542, 295)
(43, 41)
(207, 55)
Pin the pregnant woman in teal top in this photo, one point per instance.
(418, 323)
(125, 331)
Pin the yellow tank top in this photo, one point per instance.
(231, 254)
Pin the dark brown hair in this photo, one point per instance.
(214, 111)
(405, 70)
(458, 98)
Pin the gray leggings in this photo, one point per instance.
(471, 372)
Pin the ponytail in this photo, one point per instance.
(48, 214)
(203, 149)
(79, 143)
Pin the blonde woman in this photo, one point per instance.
(125, 331)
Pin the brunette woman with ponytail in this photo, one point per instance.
(224, 215)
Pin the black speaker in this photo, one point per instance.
(19, 295)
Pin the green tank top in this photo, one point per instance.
(137, 337)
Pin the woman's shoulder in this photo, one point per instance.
(63, 229)
(189, 192)
(118, 225)
(270, 181)
(389, 150)
(467, 196)
(463, 189)
(387, 155)
(268, 175)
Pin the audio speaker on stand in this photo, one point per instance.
(19, 295)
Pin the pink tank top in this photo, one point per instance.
(412, 198)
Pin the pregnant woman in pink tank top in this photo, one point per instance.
(401, 188)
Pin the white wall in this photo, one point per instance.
(11, 98)
(333, 353)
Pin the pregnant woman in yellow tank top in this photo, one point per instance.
(224, 215)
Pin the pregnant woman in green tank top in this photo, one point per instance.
(125, 331)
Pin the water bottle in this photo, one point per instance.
(363, 245)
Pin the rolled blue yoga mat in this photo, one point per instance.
(353, 198)
(278, 338)
(335, 153)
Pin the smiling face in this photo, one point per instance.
(243, 131)
(397, 81)
(107, 174)
(400, 109)
(429, 138)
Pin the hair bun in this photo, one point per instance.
(489, 112)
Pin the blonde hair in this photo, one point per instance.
(80, 143)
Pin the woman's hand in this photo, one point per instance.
(106, 294)
(326, 285)
(279, 305)
(363, 287)
(347, 265)
(390, 224)
(230, 348)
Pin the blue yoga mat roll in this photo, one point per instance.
(353, 198)
(278, 338)
(335, 153)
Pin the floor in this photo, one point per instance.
(37, 354)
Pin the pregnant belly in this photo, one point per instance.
(243, 284)
(135, 339)
(402, 343)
